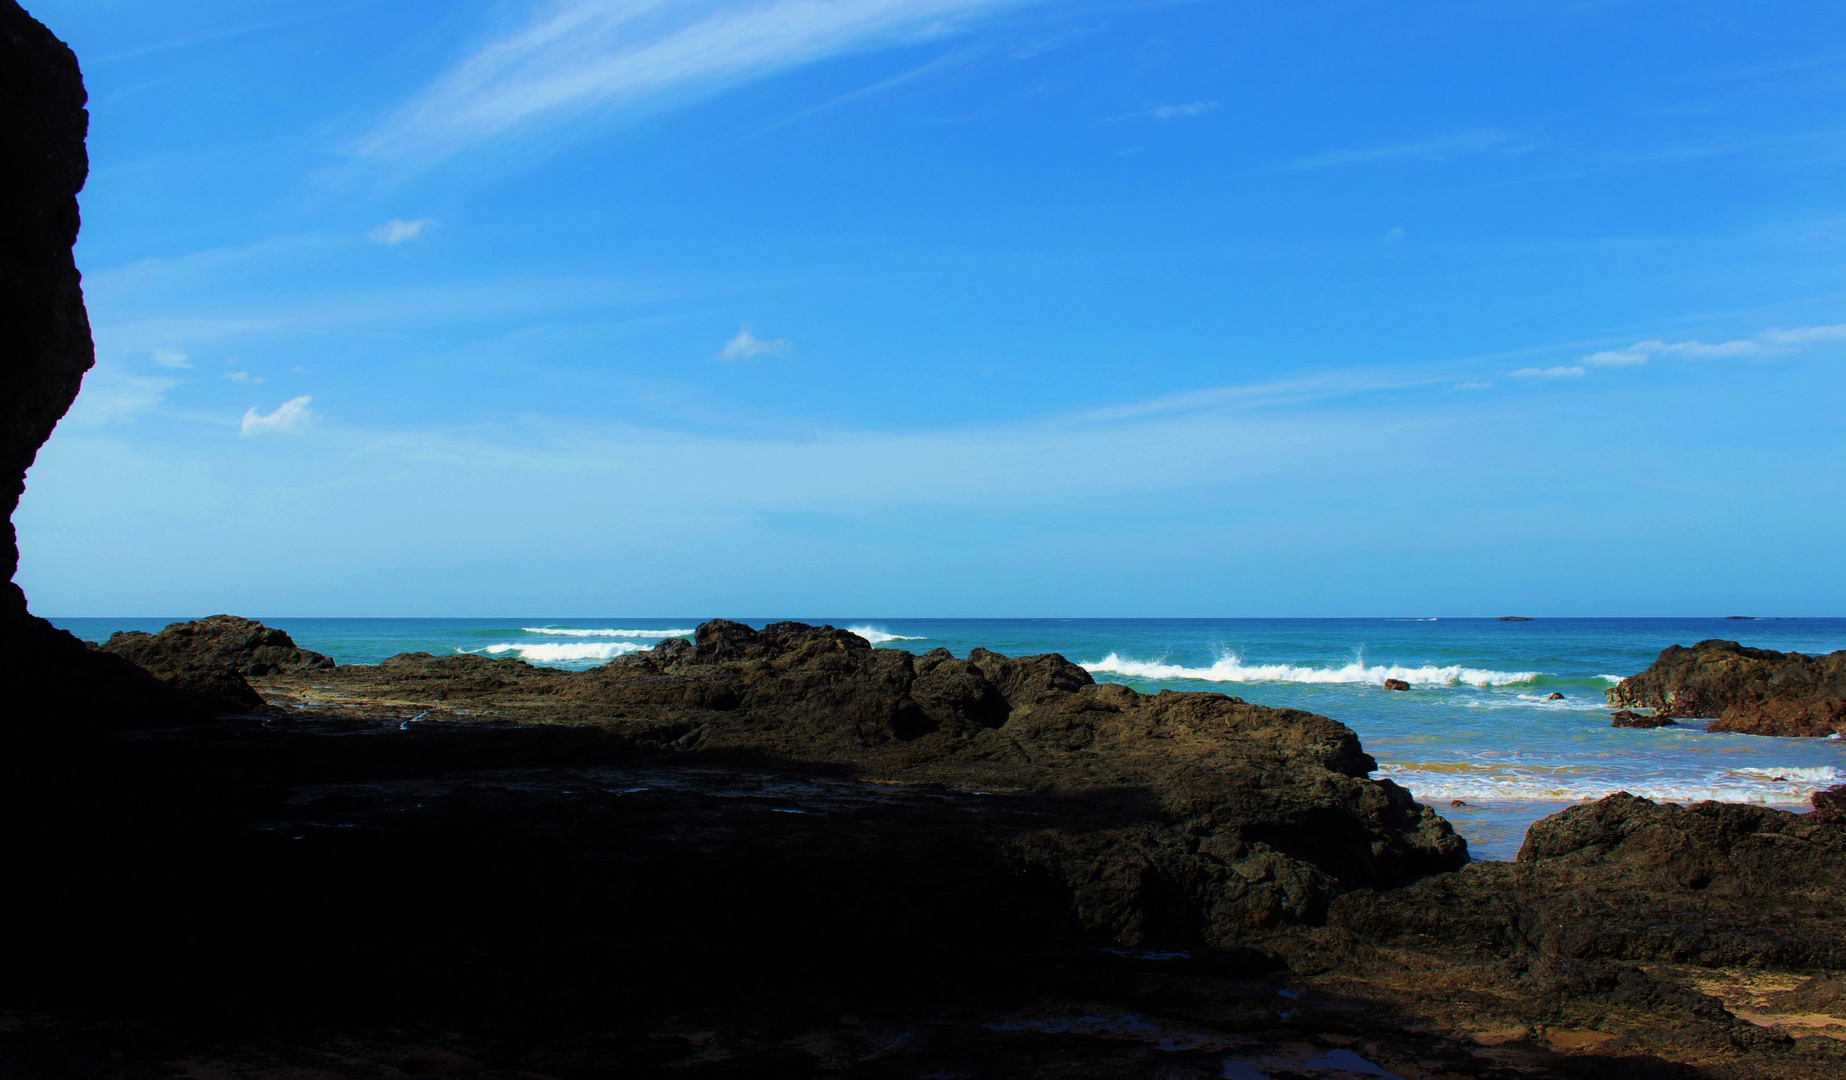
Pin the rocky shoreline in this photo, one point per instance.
(1089, 881)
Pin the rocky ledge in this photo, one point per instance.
(1740, 689)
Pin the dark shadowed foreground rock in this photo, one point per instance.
(212, 658)
(1745, 690)
(784, 853)
(1205, 818)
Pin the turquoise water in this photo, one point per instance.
(1475, 726)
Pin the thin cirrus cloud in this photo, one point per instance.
(1445, 148)
(396, 231)
(1769, 343)
(747, 345)
(171, 358)
(573, 57)
(292, 417)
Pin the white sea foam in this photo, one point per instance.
(1230, 669)
(1611, 678)
(571, 631)
(545, 652)
(879, 637)
(1745, 785)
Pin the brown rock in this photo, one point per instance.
(1745, 690)
(1830, 805)
(1629, 718)
(1554, 696)
(1396, 684)
(212, 658)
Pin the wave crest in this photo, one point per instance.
(879, 637)
(571, 631)
(548, 652)
(1787, 787)
(1230, 669)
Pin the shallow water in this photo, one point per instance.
(1475, 725)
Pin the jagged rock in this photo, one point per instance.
(1744, 690)
(1630, 719)
(1196, 817)
(1396, 684)
(1554, 696)
(213, 658)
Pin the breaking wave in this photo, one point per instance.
(571, 631)
(879, 637)
(548, 652)
(1788, 786)
(1230, 669)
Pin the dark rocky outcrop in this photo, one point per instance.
(1627, 879)
(213, 658)
(1744, 690)
(1209, 818)
(47, 676)
(1396, 684)
(1514, 618)
(1630, 719)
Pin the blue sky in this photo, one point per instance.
(954, 307)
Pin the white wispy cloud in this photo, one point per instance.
(172, 358)
(1768, 343)
(572, 57)
(1572, 372)
(292, 417)
(243, 377)
(111, 396)
(396, 231)
(1174, 112)
(746, 345)
(1445, 148)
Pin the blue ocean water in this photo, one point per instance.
(1475, 727)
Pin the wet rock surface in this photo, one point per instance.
(1741, 689)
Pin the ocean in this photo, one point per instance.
(1476, 728)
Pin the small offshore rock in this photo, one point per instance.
(1513, 618)
(1630, 718)
(1396, 684)
(1554, 696)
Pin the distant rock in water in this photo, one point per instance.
(1743, 690)
(1554, 696)
(1513, 618)
(1740, 618)
(1630, 718)
(213, 658)
(1396, 684)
